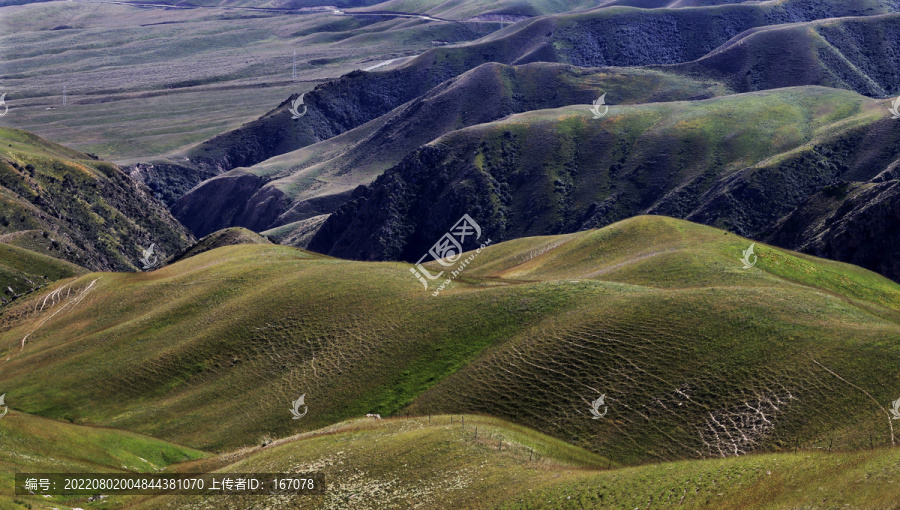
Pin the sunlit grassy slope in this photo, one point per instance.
(697, 356)
(22, 270)
(850, 53)
(318, 178)
(225, 237)
(32, 444)
(402, 463)
(471, 462)
(712, 349)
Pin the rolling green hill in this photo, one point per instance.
(625, 36)
(614, 271)
(697, 356)
(319, 178)
(68, 205)
(850, 53)
(458, 10)
(37, 445)
(556, 171)
(23, 270)
(226, 237)
(608, 36)
(369, 121)
(412, 463)
(408, 463)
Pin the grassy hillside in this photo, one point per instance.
(561, 170)
(456, 10)
(850, 53)
(71, 206)
(23, 270)
(557, 171)
(625, 36)
(369, 121)
(646, 355)
(222, 238)
(298, 233)
(37, 445)
(185, 77)
(851, 221)
(405, 463)
(697, 356)
(412, 463)
(609, 36)
(317, 179)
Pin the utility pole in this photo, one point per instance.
(294, 74)
(64, 95)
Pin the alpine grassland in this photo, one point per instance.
(458, 461)
(470, 461)
(560, 170)
(697, 357)
(316, 179)
(33, 444)
(225, 237)
(849, 53)
(23, 270)
(74, 207)
(670, 275)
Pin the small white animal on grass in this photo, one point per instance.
(376, 416)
